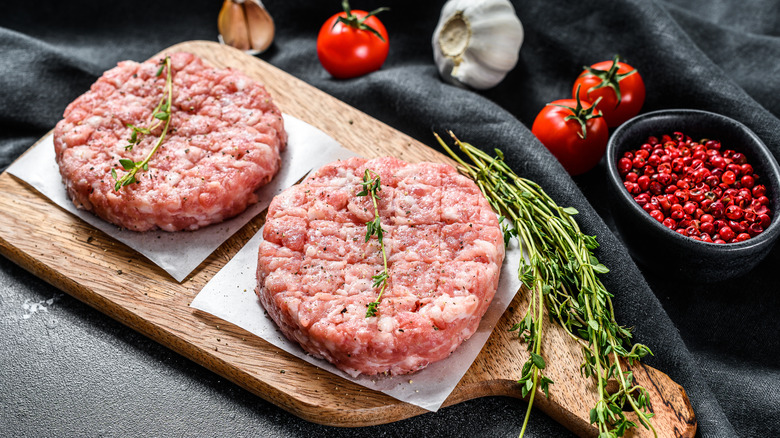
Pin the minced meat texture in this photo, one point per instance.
(224, 142)
(444, 248)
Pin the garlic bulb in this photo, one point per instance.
(245, 25)
(477, 42)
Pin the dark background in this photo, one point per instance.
(71, 371)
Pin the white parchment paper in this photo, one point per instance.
(181, 252)
(230, 295)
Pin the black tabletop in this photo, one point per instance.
(68, 370)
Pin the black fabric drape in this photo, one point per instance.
(720, 341)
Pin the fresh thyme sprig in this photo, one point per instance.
(161, 114)
(561, 271)
(533, 274)
(371, 187)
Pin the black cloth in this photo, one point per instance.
(73, 371)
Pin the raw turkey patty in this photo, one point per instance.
(223, 143)
(444, 249)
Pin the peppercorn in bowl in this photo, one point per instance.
(694, 194)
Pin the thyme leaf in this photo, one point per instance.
(561, 273)
(371, 187)
(161, 116)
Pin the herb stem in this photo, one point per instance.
(560, 270)
(161, 114)
(371, 187)
(382, 249)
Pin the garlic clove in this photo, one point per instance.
(232, 25)
(245, 25)
(261, 25)
(477, 42)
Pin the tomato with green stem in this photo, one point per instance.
(620, 87)
(352, 43)
(574, 131)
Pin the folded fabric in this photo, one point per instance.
(719, 341)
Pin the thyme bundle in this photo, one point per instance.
(561, 271)
(161, 114)
(372, 187)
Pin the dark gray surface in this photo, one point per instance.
(71, 371)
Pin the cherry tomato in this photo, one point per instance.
(352, 43)
(574, 132)
(619, 86)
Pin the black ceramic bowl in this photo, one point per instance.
(663, 251)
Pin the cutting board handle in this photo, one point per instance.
(673, 413)
(572, 396)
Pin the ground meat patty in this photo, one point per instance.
(223, 143)
(444, 249)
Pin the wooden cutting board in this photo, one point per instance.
(84, 262)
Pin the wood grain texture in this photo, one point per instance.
(110, 277)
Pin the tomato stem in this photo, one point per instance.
(580, 114)
(354, 22)
(609, 78)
